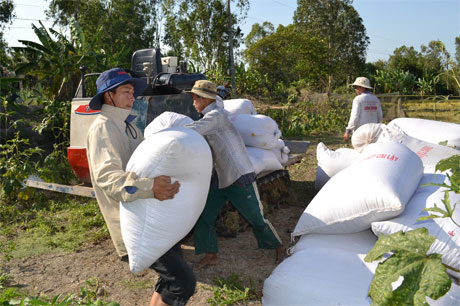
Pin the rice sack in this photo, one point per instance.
(151, 227)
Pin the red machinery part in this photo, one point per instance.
(79, 163)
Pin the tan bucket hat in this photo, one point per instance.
(205, 89)
(362, 82)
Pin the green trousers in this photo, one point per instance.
(246, 200)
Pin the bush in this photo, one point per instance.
(305, 118)
(15, 166)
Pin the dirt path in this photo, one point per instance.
(53, 274)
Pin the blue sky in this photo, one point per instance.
(389, 23)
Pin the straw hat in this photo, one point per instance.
(362, 82)
(205, 89)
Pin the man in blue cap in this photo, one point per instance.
(111, 140)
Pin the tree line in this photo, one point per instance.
(323, 49)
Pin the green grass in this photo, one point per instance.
(231, 291)
(441, 110)
(87, 296)
(58, 224)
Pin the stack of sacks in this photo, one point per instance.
(281, 152)
(330, 270)
(239, 106)
(164, 121)
(150, 227)
(262, 137)
(430, 130)
(447, 233)
(332, 162)
(257, 131)
(260, 134)
(376, 187)
(383, 193)
(268, 160)
(429, 153)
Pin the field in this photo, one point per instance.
(440, 109)
(62, 247)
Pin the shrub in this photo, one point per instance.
(305, 118)
(16, 164)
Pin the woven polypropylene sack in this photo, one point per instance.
(324, 270)
(166, 120)
(429, 153)
(151, 227)
(257, 131)
(447, 233)
(239, 106)
(331, 162)
(430, 130)
(263, 160)
(281, 152)
(330, 270)
(365, 135)
(375, 188)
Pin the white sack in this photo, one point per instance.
(429, 153)
(375, 188)
(151, 227)
(324, 270)
(446, 232)
(166, 120)
(239, 106)
(331, 162)
(257, 131)
(329, 270)
(430, 130)
(366, 134)
(263, 160)
(219, 101)
(281, 152)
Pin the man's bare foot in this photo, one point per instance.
(280, 254)
(208, 260)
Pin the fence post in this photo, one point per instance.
(401, 112)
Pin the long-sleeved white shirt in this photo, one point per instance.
(109, 147)
(366, 108)
(231, 159)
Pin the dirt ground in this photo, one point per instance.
(52, 274)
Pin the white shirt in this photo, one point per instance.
(366, 109)
(109, 147)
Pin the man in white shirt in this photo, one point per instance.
(366, 107)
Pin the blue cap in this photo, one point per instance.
(111, 79)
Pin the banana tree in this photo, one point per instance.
(427, 85)
(395, 80)
(56, 60)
